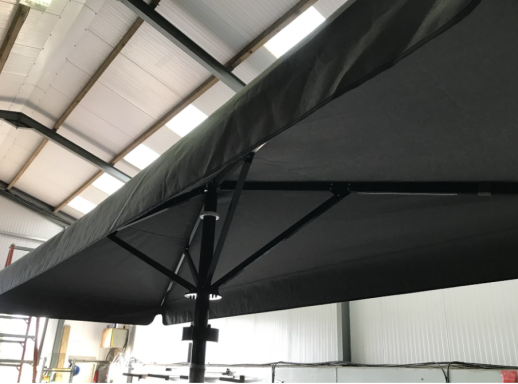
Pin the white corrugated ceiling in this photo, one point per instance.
(59, 49)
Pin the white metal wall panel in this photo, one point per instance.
(297, 335)
(314, 334)
(473, 324)
(367, 332)
(482, 322)
(20, 220)
(421, 334)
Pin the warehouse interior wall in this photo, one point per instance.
(296, 335)
(85, 337)
(15, 219)
(475, 324)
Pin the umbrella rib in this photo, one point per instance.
(336, 198)
(190, 263)
(148, 260)
(230, 215)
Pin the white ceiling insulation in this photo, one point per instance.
(57, 52)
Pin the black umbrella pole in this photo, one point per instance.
(199, 344)
(201, 311)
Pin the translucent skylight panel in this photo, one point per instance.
(81, 204)
(108, 184)
(186, 121)
(141, 156)
(294, 32)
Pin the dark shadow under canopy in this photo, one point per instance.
(402, 91)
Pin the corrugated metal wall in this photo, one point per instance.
(19, 220)
(85, 337)
(473, 324)
(296, 335)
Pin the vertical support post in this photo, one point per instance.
(345, 326)
(36, 353)
(201, 311)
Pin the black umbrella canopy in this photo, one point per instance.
(416, 98)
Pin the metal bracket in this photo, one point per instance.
(209, 213)
(200, 333)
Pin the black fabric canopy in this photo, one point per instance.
(409, 105)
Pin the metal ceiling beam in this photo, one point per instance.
(14, 29)
(246, 52)
(177, 37)
(23, 121)
(113, 54)
(35, 205)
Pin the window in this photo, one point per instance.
(186, 121)
(108, 184)
(81, 204)
(141, 156)
(294, 32)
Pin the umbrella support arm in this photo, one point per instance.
(336, 198)
(148, 260)
(230, 214)
(439, 188)
(190, 263)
